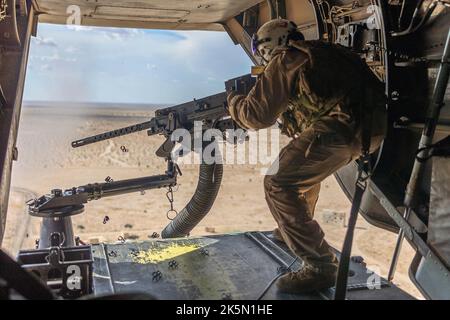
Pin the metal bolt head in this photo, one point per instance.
(227, 296)
(173, 264)
(112, 253)
(395, 95)
(156, 276)
(134, 252)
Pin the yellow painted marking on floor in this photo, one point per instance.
(155, 255)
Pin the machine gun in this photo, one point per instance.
(212, 113)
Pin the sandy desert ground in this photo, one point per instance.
(47, 161)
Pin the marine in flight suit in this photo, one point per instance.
(316, 91)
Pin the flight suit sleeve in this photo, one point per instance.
(270, 95)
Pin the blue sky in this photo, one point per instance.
(129, 65)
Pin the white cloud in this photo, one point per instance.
(44, 67)
(114, 36)
(53, 57)
(72, 49)
(131, 65)
(42, 41)
(74, 27)
(56, 57)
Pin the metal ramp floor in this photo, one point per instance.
(220, 267)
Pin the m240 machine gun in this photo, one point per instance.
(57, 208)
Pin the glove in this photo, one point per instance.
(230, 95)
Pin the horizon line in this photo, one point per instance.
(94, 102)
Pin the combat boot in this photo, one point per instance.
(307, 279)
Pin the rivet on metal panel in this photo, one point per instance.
(134, 252)
(227, 296)
(173, 264)
(156, 275)
(112, 253)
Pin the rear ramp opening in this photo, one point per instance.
(223, 267)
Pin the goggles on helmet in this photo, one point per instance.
(256, 42)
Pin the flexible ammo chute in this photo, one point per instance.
(209, 180)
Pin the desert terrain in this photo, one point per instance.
(47, 161)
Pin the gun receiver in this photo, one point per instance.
(211, 111)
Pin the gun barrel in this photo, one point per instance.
(102, 190)
(112, 134)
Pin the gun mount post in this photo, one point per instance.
(57, 208)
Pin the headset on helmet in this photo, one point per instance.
(272, 35)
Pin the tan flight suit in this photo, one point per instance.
(317, 91)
